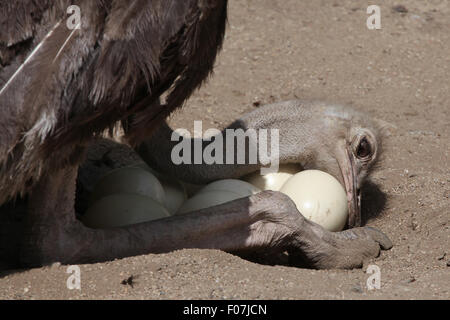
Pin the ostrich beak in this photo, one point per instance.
(348, 170)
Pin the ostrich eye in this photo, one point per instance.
(364, 149)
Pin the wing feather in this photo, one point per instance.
(65, 86)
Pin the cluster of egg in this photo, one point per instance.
(133, 195)
(137, 194)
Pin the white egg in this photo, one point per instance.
(208, 199)
(319, 197)
(175, 192)
(191, 189)
(143, 165)
(238, 187)
(129, 180)
(175, 195)
(273, 181)
(121, 210)
(218, 192)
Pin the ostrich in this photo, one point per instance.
(60, 87)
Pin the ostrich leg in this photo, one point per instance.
(268, 220)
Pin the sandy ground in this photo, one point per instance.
(283, 49)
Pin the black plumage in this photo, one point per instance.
(60, 87)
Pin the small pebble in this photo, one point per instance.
(410, 280)
(257, 104)
(357, 288)
(400, 8)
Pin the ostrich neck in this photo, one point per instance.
(239, 156)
